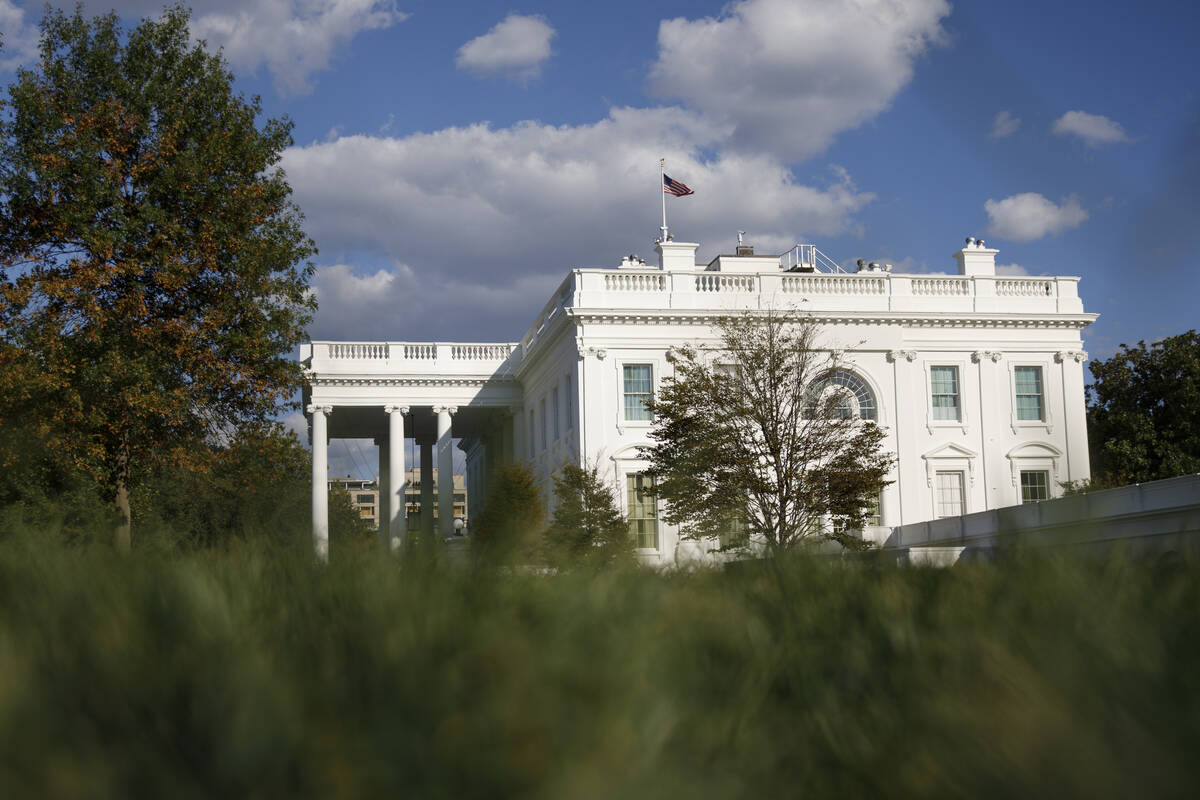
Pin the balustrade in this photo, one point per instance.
(635, 282)
(942, 287)
(1024, 287)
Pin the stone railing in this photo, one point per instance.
(864, 292)
(369, 357)
(358, 350)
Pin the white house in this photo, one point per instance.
(977, 378)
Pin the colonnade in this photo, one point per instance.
(392, 469)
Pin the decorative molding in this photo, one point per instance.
(414, 380)
(1033, 321)
(979, 355)
(894, 356)
(949, 454)
(1079, 356)
(1033, 455)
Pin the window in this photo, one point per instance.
(554, 400)
(543, 422)
(637, 392)
(854, 398)
(567, 399)
(365, 499)
(873, 514)
(1035, 485)
(642, 515)
(950, 499)
(944, 391)
(1030, 405)
(735, 532)
(532, 442)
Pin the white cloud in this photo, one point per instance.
(1094, 129)
(1011, 269)
(1004, 124)
(293, 38)
(789, 75)
(20, 37)
(515, 47)
(1028, 216)
(487, 208)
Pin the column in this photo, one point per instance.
(381, 512)
(395, 486)
(445, 462)
(427, 492)
(320, 480)
(1078, 466)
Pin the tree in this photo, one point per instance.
(1144, 411)
(757, 438)
(513, 515)
(587, 527)
(153, 270)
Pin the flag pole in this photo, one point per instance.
(663, 192)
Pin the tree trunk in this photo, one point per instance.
(122, 536)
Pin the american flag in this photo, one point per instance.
(674, 187)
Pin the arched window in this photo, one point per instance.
(854, 396)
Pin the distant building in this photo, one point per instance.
(364, 495)
(976, 377)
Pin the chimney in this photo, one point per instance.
(976, 258)
(673, 255)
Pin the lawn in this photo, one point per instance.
(252, 671)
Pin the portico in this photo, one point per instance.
(394, 391)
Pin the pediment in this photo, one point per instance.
(1034, 450)
(950, 450)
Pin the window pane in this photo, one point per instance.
(950, 500)
(638, 385)
(554, 400)
(567, 387)
(1035, 486)
(1028, 381)
(643, 522)
(943, 383)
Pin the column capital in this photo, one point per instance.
(980, 355)
(391, 409)
(1079, 356)
(895, 355)
(451, 410)
(313, 409)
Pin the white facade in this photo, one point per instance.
(1003, 355)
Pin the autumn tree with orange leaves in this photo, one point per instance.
(153, 269)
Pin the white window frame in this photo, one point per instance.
(623, 469)
(1034, 456)
(1047, 421)
(950, 457)
(570, 414)
(962, 488)
(1021, 486)
(554, 400)
(964, 400)
(619, 365)
(545, 441)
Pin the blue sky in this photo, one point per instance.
(454, 159)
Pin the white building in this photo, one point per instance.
(977, 378)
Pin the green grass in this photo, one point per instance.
(254, 672)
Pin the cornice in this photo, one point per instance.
(410, 380)
(926, 320)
